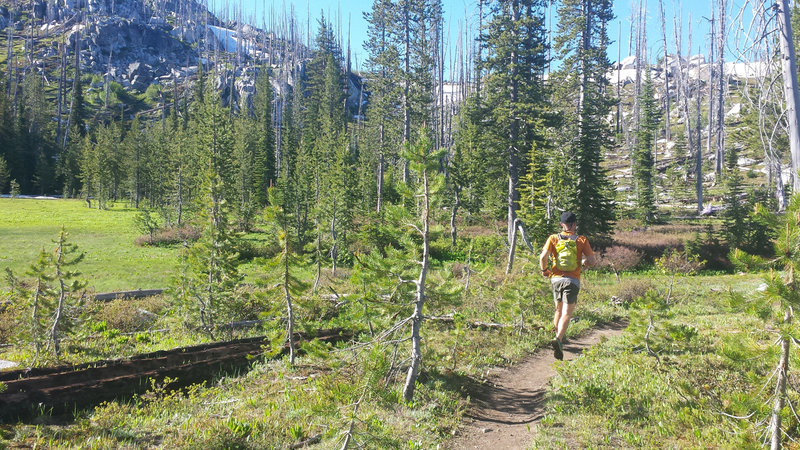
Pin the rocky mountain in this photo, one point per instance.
(140, 43)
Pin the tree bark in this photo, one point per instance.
(667, 132)
(682, 87)
(697, 150)
(406, 82)
(288, 296)
(780, 389)
(416, 318)
(513, 153)
(453, 215)
(720, 129)
(790, 88)
(711, 98)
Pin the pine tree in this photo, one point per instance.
(534, 197)
(245, 168)
(34, 301)
(581, 42)
(67, 287)
(39, 133)
(264, 170)
(77, 112)
(137, 162)
(4, 174)
(383, 112)
(424, 164)
(515, 101)
(643, 167)
(734, 217)
(775, 307)
(68, 166)
(476, 170)
(213, 275)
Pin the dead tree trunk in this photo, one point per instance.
(9, 57)
(62, 62)
(682, 87)
(518, 227)
(698, 150)
(406, 82)
(416, 318)
(75, 86)
(513, 130)
(619, 75)
(711, 80)
(453, 216)
(780, 389)
(790, 88)
(667, 132)
(720, 98)
(288, 297)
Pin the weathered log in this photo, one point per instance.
(139, 293)
(62, 390)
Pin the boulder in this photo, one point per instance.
(39, 9)
(628, 63)
(697, 60)
(141, 75)
(735, 111)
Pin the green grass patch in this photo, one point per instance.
(113, 262)
(703, 382)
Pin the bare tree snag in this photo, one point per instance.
(780, 388)
(790, 88)
(667, 132)
(720, 98)
(420, 296)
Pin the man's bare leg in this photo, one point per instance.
(557, 315)
(564, 317)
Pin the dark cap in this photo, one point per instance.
(568, 217)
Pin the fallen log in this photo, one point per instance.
(474, 324)
(139, 293)
(65, 389)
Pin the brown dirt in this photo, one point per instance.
(508, 407)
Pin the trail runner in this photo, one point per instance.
(569, 252)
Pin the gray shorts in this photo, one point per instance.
(565, 289)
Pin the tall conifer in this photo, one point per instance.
(581, 42)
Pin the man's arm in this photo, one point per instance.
(589, 258)
(544, 260)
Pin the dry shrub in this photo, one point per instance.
(619, 258)
(678, 262)
(8, 321)
(249, 249)
(458, 269)
(630, 290)
(169, 236)
(654, 240)
(132, 314)
(648, 242)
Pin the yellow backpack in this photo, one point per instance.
(566, 257)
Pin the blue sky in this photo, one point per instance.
(349, 15)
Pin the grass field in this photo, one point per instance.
(112, 262)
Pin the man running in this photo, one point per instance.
(569, 253)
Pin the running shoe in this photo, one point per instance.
(558, 350)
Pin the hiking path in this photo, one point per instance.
(507, 407)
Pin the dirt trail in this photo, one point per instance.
(508, 407)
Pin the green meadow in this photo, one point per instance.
(112, 261)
